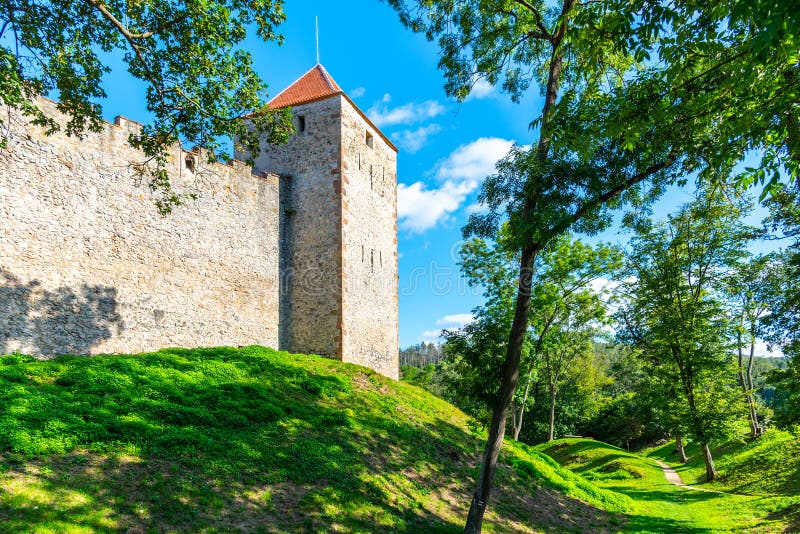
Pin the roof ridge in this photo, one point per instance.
(315, 83)
(327, 77)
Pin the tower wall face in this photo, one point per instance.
(88, 266)
(369, 246)
(311, 282)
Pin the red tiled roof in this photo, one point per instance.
(313, 85)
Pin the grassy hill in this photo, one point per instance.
(663, 507)
(767, 465)
(223, 439)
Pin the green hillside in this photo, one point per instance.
(253, 440)
(660, 506)
(768, 465)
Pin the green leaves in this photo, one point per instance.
(675, 311)
(199, 82)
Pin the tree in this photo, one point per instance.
(748, 287)
(782, 325)
(564, 346)
(675, 313)
(551, 188)
(632, 91)
(562, 324)
(199, 83)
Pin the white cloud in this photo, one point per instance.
(410, 113)
(420, 207)
(358, 92)
(456, 320)
(431, 336)
(448, 322)
(473, 161)
(603, 285)
(413, 140)
(761, 350)
(481, 89)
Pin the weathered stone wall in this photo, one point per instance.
(88, 266)
(311, 268)
(369, 237)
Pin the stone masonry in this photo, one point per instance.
(299, 253)
(340, 213)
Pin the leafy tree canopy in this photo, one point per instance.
(199, 83)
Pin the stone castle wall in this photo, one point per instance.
(312, 285)
(88, 266)
(369, 238)
(340, 224)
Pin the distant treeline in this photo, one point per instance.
(421, 354)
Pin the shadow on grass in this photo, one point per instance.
(648, 524)
(790, 514)
(247, 440)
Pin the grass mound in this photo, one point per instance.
(660, 506)
(767, 465)
(598, 461)
(254, 440)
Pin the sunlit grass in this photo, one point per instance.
(663, 507)
(256, 440)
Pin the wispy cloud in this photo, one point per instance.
(448, 322)
(382, 115)
(413, 140)
(456, 320)
(431, 336)
(481, 89)
(420, 207)
(358, 92)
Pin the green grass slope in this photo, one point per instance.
(660, 506)
(767, 465)
(254, 440)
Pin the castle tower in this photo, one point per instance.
(338, 228)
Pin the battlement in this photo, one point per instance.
(87, 265)
(116, 135)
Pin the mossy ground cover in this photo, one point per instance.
(254, 440)
(663, 507)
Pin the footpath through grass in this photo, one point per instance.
(767, 465)
(254, 440)
(663, 507)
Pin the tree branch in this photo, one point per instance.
(614, 191)
(124, 30)
(538, 16)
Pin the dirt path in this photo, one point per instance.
(674, 478)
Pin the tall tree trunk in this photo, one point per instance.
(518, 416)
(516, 425)
(743, 382)
(508, 384)
(508, 381)
(757, 430)
(711, 469)
(551, 427)
(680, 449)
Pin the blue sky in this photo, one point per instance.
(446, 148)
